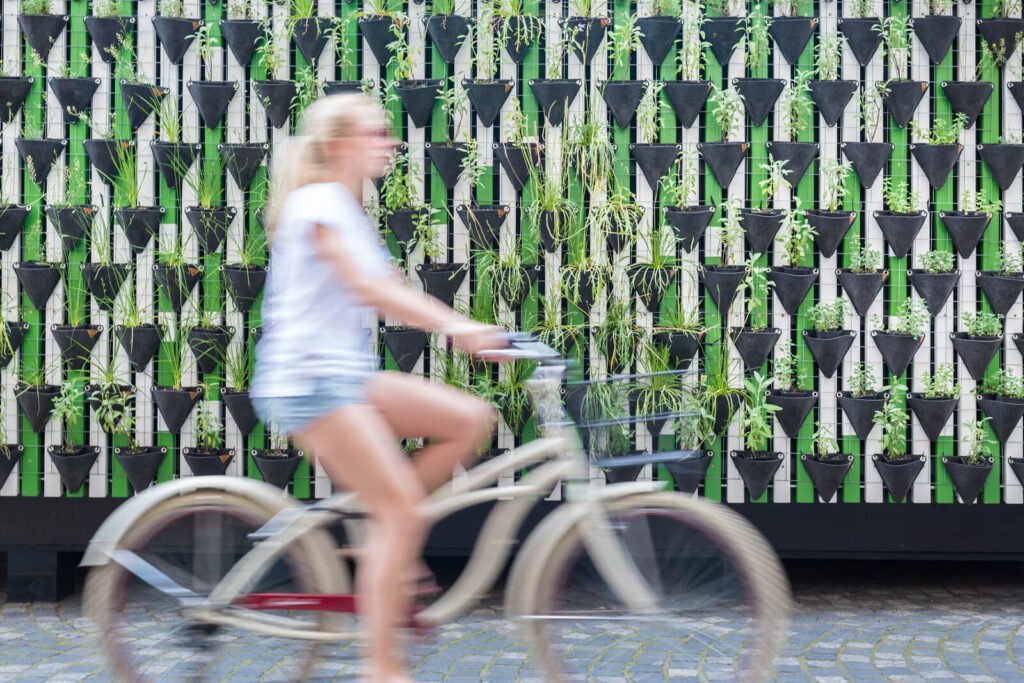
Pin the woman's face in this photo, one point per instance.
(368, 151)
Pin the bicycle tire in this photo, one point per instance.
(106, 586)
(539, 576)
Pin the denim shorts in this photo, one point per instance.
(290, 414)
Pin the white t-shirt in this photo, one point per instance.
(312, 325)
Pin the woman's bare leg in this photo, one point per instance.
(358, 452)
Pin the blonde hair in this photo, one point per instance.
(303, 161)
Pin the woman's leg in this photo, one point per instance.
(455, 423)
(358, 451)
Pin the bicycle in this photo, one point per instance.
(224, 561)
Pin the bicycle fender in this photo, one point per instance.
(117, 524)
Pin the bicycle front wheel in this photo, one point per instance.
(194, 540)
(708, 599)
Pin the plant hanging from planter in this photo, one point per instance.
(509, 277)
(174, 401)
(937, 279)
(979, 340)
(935, 403)
(724, 157)
(617, 219)
(897, 468)
(826, 466)
(763, 222)
(618, 336)
(400, 204)
(755, 340)
(551, 329)
(793, 281)
(553, 213)
(967, 226)
(830, 221)
(1003, 287)
(830, 94)
(587, 149)
(828, 341)
(650, 279)
(624, 39)
(900, 340)
(756, 464)
(1001, 396)
(863, 400)
(582, 281)
(277, 96)
(795, 403)
(722, 280)
(795, 110)
(970, 471)
(515, 27)
(658, 396)
(902, 220)
(681, 332)
(71, 459)
(681, 203)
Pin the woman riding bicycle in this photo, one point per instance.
(316, 377)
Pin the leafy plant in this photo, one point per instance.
(756, 41)
(730, 230)
(726, 107)
(757, 425)
(692, 55)
(895, 33)
(207, 429)
(308, 88)
(943, 132)
(941, 383)
(624, 40)
(863, 382)
(898, 198)
(977, 440)
(796, 237)
(1002, 383)
(551, 329)
(662, 390)
(682, 319)
(207, 181)
(31, 7)
(683, 182)
(724, 8)
(828, 56)
(207, 43)
(506, 272)
(697, 419)
(105, 8)
(773, 182)
(829, 317)
(618, 334)
(788, 372)
(650, 111)
(979, 202)
(787, 8)
(1009, 260)
(176, 356)
(238, 366)
(238, 10)
(127, 66)
(272, 50)
(935, 262)
(1006, 8)
(912, 319)
(940, 7)
(834, 174)
(588, 149)
(67, 407)
(825, 443)
(552, 200)
(126, 174)
(893, 419)
(865, 259)
(575, 273)
(982, 324)
(667, 8)
(168, 120)
(174, 9)
(619, 215)
(870, 108)
(795, 108)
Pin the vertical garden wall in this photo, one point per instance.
(816, 207)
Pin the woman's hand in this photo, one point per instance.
(473, 338)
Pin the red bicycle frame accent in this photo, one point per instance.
(310, 602)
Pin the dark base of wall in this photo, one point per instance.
(44, 537)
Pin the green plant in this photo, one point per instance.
(272, 50)
(238, 10)
(1002, 383)
(577, 272)
(898, 198)
(938, 261)
(551, 199)
(452, 367)
(308, 88)
(550, 328)
(403, 55)
(174, 9)
(696, 420)
(979, 202)
(982, 324)
(473, 170)
(650, 111)
(724, 8)
(506, 273)
(756, 41)
(588, 149)
(787, 369)
(726, 110)
(127, 311)
(893, 419)
(661, 391)
(943, 132)
(912, 319)
(787, 8)
(796, 237)
(1006, 8)
(105, 8)
(176, 356)
(825, 443)
(207, 181)
(426, 235)
(127, 66)
(238, 366)
(941, 383)
(399, 189)
(682, 319)
(667, 8)
(869, 110)
(618, 334)
(865, 259)
(828, 56)
(36, 7)
(207, 42)
(834, 175)
(692, 55)
(895, 33)
(582, 8)
(619, 215)
(509, 393)
(207, 429)
(126, 174)
(114, 410)
(774, 181)
(453, 100)
(863, 382)
(1010, 261)
(168, 120)
(755, 279)
(607, 404)
(757, 424)
(829, 317)
(525, 30)
(67, 407)
(940, 7)
(680, 187)
(795, 108)
(977, 440)
(624, 40)
(730, 230)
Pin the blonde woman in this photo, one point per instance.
(317, 380)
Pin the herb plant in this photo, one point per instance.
(865, 259)
(829, 317)
(863, 382)
(943, 132)
(893, 419)
(795, 237)
(726, 108)
(982, 324)
(912, 319)
(834, 174)
(935, 262)
(898, 198)
(757, 413)
(828, 56)
(941, 383)
(795, 107)
(976, 439)
(825, 443)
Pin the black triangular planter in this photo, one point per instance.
(10, 455)
(650, 283)
(519, 33)
(829, 348)
(212, 99)
(1017, 465)
(548, 227)
(1016, 89)
(402, 224)
(689, 224)
(241, 36)
(244, 283)
(140, 224)
(1001, 291)
(1018, 341)
(175, 405)
(794, 406)
(965, 229)
(754, 346)
(936, 33)
(487, 98)
(104, 281)
(107, 33)
(725, 407)
(140, 464)
(176, 282)
(15, 336)
(406, 345)
(418, 97)
(73, 466)
(902, 99)
(140, 99)
(586, 289)
(897, 350)
(968, 479)
(519, 160)
(442, 280)
(344, 88)
(898, 476)
(975, 352)
(243, 161)
(863, 37)
(932, 413)
(791, 35)
(276, 470)
(210, 225)
(867, 158)
(936, 161)
(530, 273)
(687, 99)
(13, 91)
(827, 475)
(655, 159)
(792, 285)
(38, 281)
(140, 343)
(934, 288)
(448, 32)
(41, 31)
(209, 345)
(657, 34)
(831, 98)
(797, 155)
(759, 96)
(861, 411)
(721, 283)
(967, 97)
(104, 155)
(682, 346)
(310, 35)
(1005, 414)
(71, 222)
(1004, 161)
(723, 158)
(554, 97)
(257, 334)
(208, 463)
(757, 472)
(899, 229)
(173, 159)
(175, 34)
(378, 34)
(760, 228)
(39, 155)
(688, 472)
(36, 402)
(239, 406)
(448, 158)
(723, 34)
(590, 32)
(830, 229)
(74, 95)
(1016, 223)
(12, 222)
(276, 97)
(76, 343)
(622, 98)
(484, 223)
(1001, 32)
(620, 474)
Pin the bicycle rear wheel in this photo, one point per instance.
(194, 540)
(720, 604)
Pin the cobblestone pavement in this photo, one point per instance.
(854, 621)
